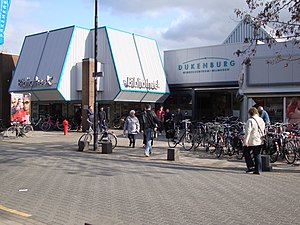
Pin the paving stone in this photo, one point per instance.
(69, 187)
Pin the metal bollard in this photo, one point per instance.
(173, 154)
(266, 163)
(106, 147)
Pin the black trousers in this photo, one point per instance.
(131, 138)
(256, 155)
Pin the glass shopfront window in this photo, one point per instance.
(180, 99)
(274, 107)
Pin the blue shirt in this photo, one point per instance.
(265, 116)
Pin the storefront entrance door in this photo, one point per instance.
(211, 104)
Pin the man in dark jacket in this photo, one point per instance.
(102, 119)
(149, 121)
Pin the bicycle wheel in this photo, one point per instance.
(229, 148)
(11, 132)
(274, 152)
(297, 145)
(172, 143)
(239, 152)
(219, 151)
(60, 126)
(45, 126)
(28, 129)
(85, 137)
(197, 140)
(188, 141)
(113, 139)
(289, 152)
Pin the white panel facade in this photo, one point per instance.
(152, 97)
(203, 65)
(154, 74)
(129, 96)
(28, 62)
(126, 60)
(110, 81)
(52, 61)
(53, 57)
(75, 53)
(267, 69)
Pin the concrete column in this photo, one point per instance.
(87, 89)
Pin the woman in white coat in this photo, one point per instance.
(254, 130)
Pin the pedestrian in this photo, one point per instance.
(254, 131)
(149, 122)
(78, 119)
(90, 114)
(167, 121)
(178, 117)
(102, 119)
(132, 127)
(160, 113)
(264, 115)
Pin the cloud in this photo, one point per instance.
(194, 23)
(173, 23)
(19, 24)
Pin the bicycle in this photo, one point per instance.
(51, 124)
(104, 136)
(37, 124)
(282, 144)
(118, 122)
(232, 137)
(184, 138)
(18, 129)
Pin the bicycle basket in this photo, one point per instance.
(170, 133)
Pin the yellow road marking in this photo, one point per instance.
(14, 211)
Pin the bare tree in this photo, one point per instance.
(283, 16)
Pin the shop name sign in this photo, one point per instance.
(138, 83)
(206, 65)
(36, 82)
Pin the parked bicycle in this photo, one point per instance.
(18, 129)
(37, 124)
(118, 122)
(51, 124)
(232, 137)
(104, 136)
(283, 145)
(183, 137)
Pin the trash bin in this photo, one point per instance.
(106, 147)
(83, 146)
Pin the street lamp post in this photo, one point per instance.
(95, 79)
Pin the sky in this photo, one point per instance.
(174, 24)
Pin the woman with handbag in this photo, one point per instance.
(254, 131)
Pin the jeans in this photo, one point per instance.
(257, 157)
(148, 140)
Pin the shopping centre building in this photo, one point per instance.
(56, 69)
(213, 81)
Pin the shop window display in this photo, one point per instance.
(274, 107)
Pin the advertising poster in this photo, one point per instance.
(293, 110)
(20, 107)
